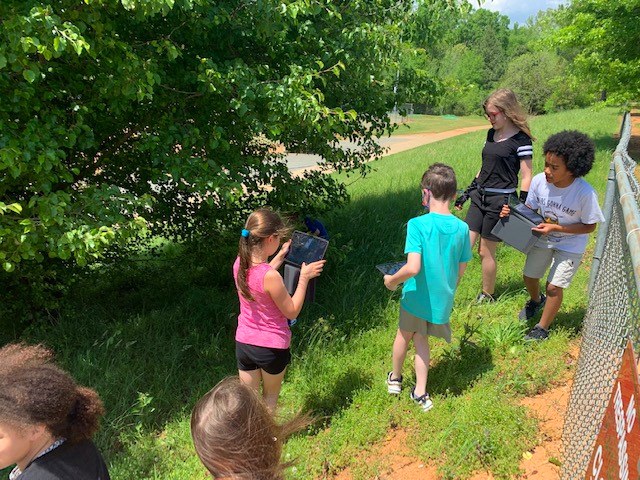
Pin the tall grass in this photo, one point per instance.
(152, 337)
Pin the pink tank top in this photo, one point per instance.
(260, 322)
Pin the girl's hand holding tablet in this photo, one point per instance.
(312, 270)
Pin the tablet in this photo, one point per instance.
(305, 248)
(515, 229)
(528, 213)
(390, 268)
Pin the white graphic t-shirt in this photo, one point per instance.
(577, 203)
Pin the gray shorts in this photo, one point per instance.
(564, 265)
(410, 323)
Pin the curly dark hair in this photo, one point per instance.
(576, 149)
(35, 391)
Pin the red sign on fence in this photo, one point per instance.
(617, 451)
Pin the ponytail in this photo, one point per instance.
(244, 254)
(261, 224)
(83, 420)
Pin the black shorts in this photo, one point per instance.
(271, 360)
(484, 213)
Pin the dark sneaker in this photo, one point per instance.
(394, 385)
(424, 402)
(531, 309)
(537, 334)
(484, 298)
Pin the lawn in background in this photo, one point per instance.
(437, 123)
(152, 337)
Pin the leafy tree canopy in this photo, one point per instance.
(531, 76)
(607, 36)
(122, 115)
(487, 33)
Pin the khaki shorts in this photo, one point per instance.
(564, 265)
(410, 323)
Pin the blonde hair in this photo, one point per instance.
(507, 102)
(235, 435)
(260, 225)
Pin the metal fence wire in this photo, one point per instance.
(613, 314)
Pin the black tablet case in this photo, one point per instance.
(515, 229)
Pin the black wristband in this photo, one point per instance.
(523, 196)
(461, 199)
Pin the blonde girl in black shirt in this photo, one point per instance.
(507, 155)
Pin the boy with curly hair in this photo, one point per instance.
(570, 208)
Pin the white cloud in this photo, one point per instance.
(519, 10)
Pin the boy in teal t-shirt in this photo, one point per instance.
(438, 249)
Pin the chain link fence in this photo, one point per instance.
(613, 314)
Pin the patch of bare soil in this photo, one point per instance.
(540, 463)
(400, 462)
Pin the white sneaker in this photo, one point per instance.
(394, 385)
(423, 401)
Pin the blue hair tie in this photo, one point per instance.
(244, 233)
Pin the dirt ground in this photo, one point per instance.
(409, 141)
(549, 408)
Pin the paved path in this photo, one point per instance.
(298, 162)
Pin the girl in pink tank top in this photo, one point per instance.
(263, 335)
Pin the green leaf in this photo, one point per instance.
(3, 61)
(15, 207)
(8, 266)
(29, 75)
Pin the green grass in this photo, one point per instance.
(437, 123)
(152, 337)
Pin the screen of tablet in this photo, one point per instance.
(305, 248)
(527, 213)
(390, 268)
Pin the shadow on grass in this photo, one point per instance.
(338, 397)
(509, 287)
(571, 321)
(604, 142)
(460, 366)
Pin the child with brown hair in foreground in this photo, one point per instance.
(236, 436)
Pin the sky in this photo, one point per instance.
(520, 10)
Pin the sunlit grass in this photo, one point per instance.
(437, 123)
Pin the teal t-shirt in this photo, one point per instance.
(443, 242)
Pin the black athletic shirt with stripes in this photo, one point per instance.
(501, 160)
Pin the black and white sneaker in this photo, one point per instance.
(537, 334)
(484, 298)
(423, 401)
(531, 309)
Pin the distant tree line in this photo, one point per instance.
(565, 58)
